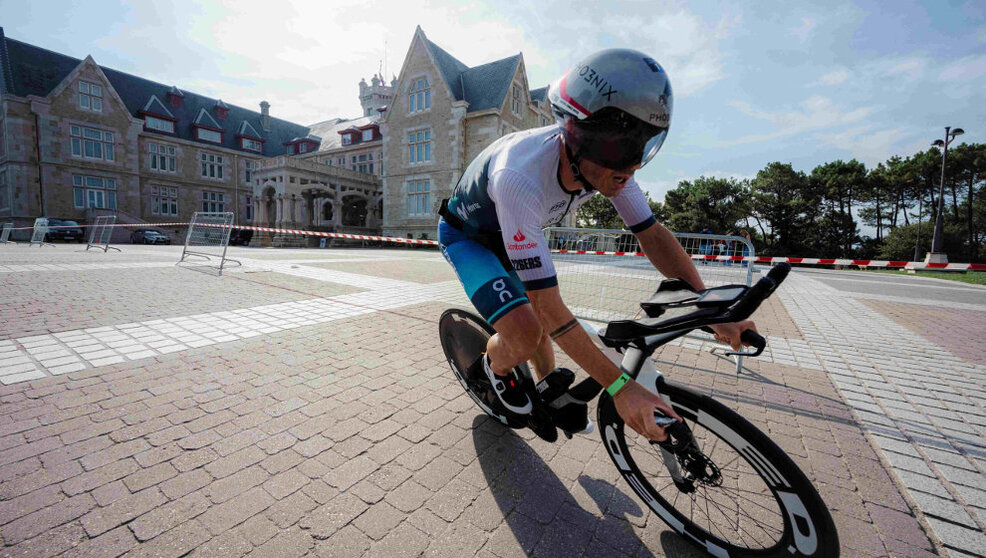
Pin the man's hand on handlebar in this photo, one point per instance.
(636, 407)
(730, 333)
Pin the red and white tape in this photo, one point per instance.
(756, 259)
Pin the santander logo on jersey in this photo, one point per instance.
(521, 245)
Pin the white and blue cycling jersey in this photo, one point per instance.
(503, 200)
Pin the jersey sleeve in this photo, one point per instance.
(519, 206)
(631, 204)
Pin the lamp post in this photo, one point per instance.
(936, 255)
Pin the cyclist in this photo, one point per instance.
(612, 111)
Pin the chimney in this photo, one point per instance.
(265, 115)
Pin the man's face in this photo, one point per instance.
(608, 182)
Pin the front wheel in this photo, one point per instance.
(753, 500)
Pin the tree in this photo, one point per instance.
(598, 213)
(776, 197)
(716, 203)
(839, 183)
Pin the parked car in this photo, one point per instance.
(62, 229)
(240, 237)
(148, 236)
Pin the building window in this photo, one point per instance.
(544, 121)
(302, 147)
(515, 100)
(208, 135)
(347, 139)
(419, 97)
(94, 192)
(419, 146)
(162, 157)
(4, 191)
(249, 170)
(90, 96)
(252, 145)
(91, 143)
(249, 208)
(365, 163)
(368, 135)
(419, 198)
(213, 202)
(341, 161)
(212, 165)
(159, 124)
(290, 150)
(164, 200)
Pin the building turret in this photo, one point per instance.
(376, 95)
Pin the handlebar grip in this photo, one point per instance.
(779, 272)
(754, 339)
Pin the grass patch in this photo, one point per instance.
(974, 277)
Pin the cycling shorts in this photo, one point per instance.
(493, 290)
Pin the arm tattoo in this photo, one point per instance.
(564, 329)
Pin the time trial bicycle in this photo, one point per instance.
(718, 481)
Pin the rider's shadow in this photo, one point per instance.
(548, 520)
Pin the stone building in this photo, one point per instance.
(77, 140)
(443, 113)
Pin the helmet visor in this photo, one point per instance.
(617, 147)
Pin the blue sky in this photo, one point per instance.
(797, 82)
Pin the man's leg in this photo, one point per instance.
(518, 338)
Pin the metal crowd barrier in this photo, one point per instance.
(39, 233)
(102, 230)
(604, 287)
(5, 233)
(208, 237)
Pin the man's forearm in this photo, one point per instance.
(666, 254)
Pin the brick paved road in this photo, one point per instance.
(289, 409)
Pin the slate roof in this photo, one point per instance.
(483, 87)
(329, 130)
(539, 94)
(30, 70)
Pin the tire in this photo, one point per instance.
(765, 506)
(464, 336)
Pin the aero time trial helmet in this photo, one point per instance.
(614, 108)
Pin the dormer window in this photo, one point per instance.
(207, 129)
(290, 149)
(303, 147)
(368, 135)
(347, 139)
(157, 117)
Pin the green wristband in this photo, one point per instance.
(618, 384)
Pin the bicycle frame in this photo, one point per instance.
(636, 362)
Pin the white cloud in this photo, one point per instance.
(835, 77)
(804, 30)
(872, 146)
(911, 68)
(818, 113)
(965, 69)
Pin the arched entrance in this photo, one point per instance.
(354, 211)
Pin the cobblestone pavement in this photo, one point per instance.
(300, 405)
